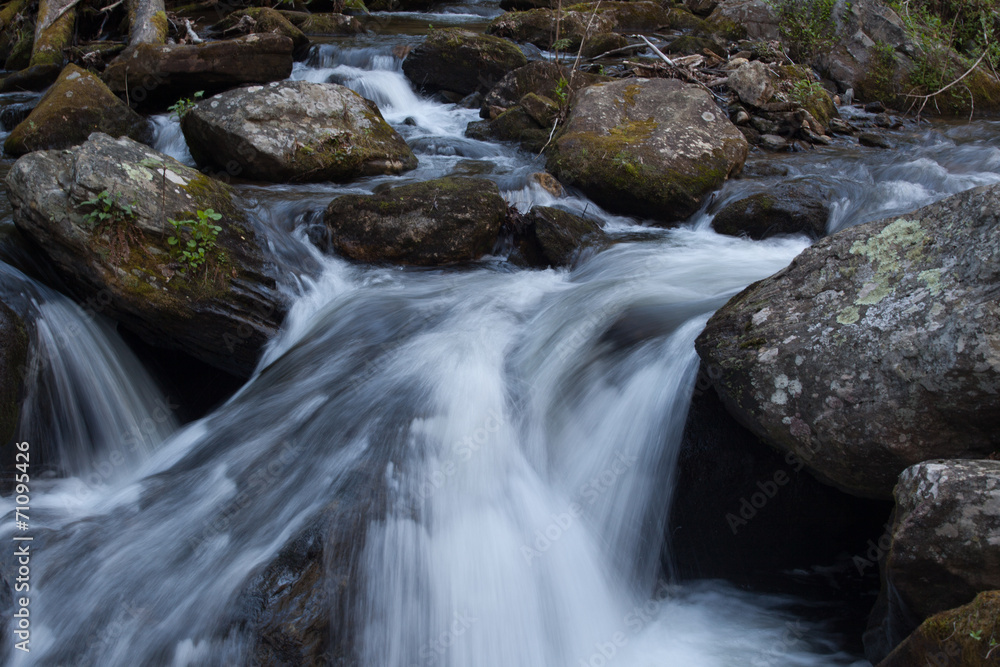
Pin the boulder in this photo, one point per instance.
(739, 19)
(296, 131)
(576, 22)
(443, 221)
(753, 83)
(601, 43)
(541, 78)
(553, 237)
(944, 547)
(875, 349)
(701, 7)
(263, 20)
(13, 360)
(77, 104)
(325, 24)
(461, 61)
(647, 147)
(796, 207)
(152, 74)
(221, 312)
(689, 45)
(967, 636)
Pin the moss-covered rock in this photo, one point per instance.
(325, 24)
(13, 358)
(647, 147)
(689, 44)
(461, 61)
(149, 74)
(222, 312)
(553, 237)
(538, 27)
(968, 636)
(77, 104)
(296, 131)
(601, 43)
(541, 78)
(875, 349)
(443, 221)
(942, 550)
(800, 85)
(264, 19)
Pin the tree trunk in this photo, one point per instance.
(148, 21)
(53, 31)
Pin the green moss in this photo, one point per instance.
(48, 48)
(162, 25)
(753, 343)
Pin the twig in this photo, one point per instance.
(551, 134)
(110, 7)
(614, 52)
(680, 70)
(586, 33)
(195, 39)
(926, 98)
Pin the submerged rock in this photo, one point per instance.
(77, 104)
(461, 61)
(442, 221)
(159, 74)
(875, 349)
(944, 547)
(221, 312)
(553, 237)
(788, 208)
(648, 147)
(296, 131)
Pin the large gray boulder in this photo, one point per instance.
(221, 311)
(944, 546)
(877, 348)
(461, 61)
(296, 131)
(442, 221)
(647, 147)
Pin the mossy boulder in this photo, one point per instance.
(968, 636)
(744, 19)
(325, 24)
(788, 208)
(648, 147)
(538, 27)
(798, 84)
(943, 548)
(515, 125)
(222, 312)
(433, 223)
(295, 131)
(554, 237)
(461, 61)
(264, 20)
(13, 360)
(76, 105)
(690, 44)
(152, 74)
(540, 78)
(875, 349)
(601, 43)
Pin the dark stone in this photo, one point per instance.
(461, 61)
(789, 208)
(553, 237)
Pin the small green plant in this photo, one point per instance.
(109, 215)
(804, 92)
(977, 635)
(180, 108)
(194, 241)
(807, 26)
(561, 93)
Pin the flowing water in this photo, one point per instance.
(522, 458)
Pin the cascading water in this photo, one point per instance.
(515, 456)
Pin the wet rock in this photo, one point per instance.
(222, 312)
(965, 636)
(538, 26)
(944, 547)
(13, 358)
(263, 20)
(325, 24)
(541, 109)
(648, 147)
(873, 140)
(77, 104)
(151, 74)
(541, 78)
(598, 45)
(296, 131)
(553, 237)
(461, 61)
(772, 142)
(875, 349)
(752, 82)
(549, 183)
(36, 77)
(789, 208)
(433, 223)
(701, 7)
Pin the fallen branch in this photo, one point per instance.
(684, 73)
(926, 98)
